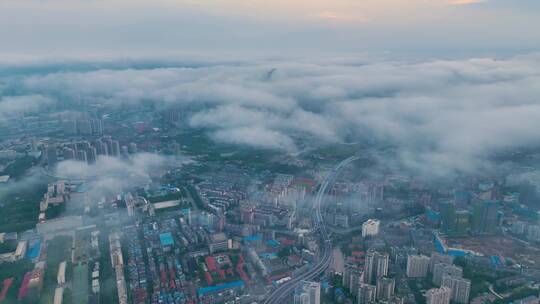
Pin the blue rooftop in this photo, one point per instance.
(204, 290)
(272, 243)
(432, 215)
(166, 239)
(496, 261)
(253, 238)
(34, 250)
(457, 252)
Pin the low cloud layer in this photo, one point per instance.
(110, 175)
(441, 116)
(11, 106)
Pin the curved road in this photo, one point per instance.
(310, 272)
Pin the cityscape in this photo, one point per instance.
(380, 174)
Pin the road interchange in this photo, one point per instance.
(310, 272)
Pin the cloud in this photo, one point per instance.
(15, 105)
(441, 116)
(110, 175)
(255, 137)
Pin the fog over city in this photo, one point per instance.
(441, 115)
(270, 152)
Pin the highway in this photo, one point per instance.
(310, 272)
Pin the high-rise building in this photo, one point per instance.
(97, 144)
(460, 287)
(518, 227)
(108, 143)
(376, 266)
(308, 293)
(115, 145)
(370, 227)
(462, 222)
(171, 117)
(440, 269)
(68, 153)
(533, 233)
(52, 159)
(439, 295)
(81, 156)
(132, 148)
(91, 155)
(367, 294)
(124, 151)
(83, 145)
(33, 145)
(417, 266)
(385, 288)
(485, 217)
(439, 258)
(69, 127)
(176, 148)
(352, 277)
(96, 126)
(448, 217)
(104, 149)
(395, 300)
(375, 194)
(84, 127)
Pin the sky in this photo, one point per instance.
(137, 27)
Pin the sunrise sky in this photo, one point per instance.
(136, 26)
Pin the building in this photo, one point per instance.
(441, 269)
(485, 217)
(218, 242)
(132, 148)
(95, 286)
(462, 223)
(366, 294)
(533, 233)
(59, 226)
(308, 293)
(448, 217)
(69, 127)
(84, 127)
(58, 193)
(97, 126)
(527, 300)
(115, 148)
(460, 287)
(439, 295)
(68, 153)
(52, 159)
(385, 288)
(376, 266)
(58, 295)
(518, 227)
(91, 155)
(439, 258)
(61, 276)
(370, 227)
(341, 220)
(352, 277)
(417, 266)
(81, 156)
(19, 253)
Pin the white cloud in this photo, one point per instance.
(15, 105)
(110, 175)
(440, 115)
